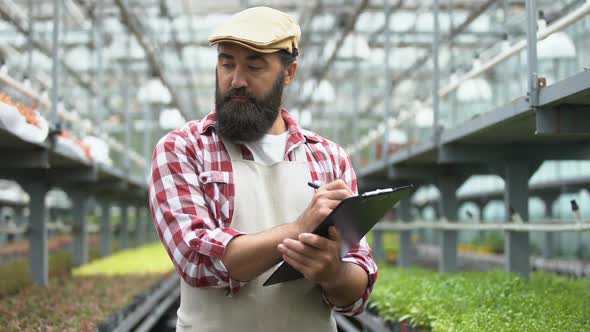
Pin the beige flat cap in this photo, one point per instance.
(261, 29)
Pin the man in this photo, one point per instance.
(229, 196)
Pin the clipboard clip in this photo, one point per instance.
(378, 191)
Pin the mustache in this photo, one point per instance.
(239, 92)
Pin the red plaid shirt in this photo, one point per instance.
(192, 199)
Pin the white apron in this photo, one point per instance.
(266, 196)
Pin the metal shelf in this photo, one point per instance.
(40, 167)
(515, 123)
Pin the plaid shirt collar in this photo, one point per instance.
(296, 133)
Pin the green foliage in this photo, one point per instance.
(71, 304)
(493, 240)
(482, 301)
(151, 258)
(16, 274)
(390, 244)
(80, 303)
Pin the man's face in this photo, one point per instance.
(248, 92)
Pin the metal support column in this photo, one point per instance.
(551, 242)
(54, 118)
(38, 252)
(373, 151)
(355, 120)
(147, 228)
(31, 21)
(126, 98)
(147, 136)
(80, 227)
(139, 227)
(124, 229)
(106, 229)
(388, 81)
(5, 238)
(378, 248)
(516, 199)
(532, 60)
(19, 219)
(98, 35)
(449, 206)
(152, 232)
(134, 232)
(436, 72)
(481, 205)
(406, 248)
(420, 216)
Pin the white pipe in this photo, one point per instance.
(525, 227)
(20, 87)
(558, 25)
(68, 116)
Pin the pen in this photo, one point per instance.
(314, 185)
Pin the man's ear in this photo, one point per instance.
(290, 72)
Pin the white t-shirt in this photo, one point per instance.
(269, 149)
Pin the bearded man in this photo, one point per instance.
(229, 196)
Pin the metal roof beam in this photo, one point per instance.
(411, 71)
(323, 68)
(9, 15)
(178, 48)
(134, 25)
(306, 26)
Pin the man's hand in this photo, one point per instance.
(249, 255)
(325, 199)
(316, 257)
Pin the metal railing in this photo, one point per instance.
(537, 226)
(515, 252)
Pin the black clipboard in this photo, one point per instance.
(353, 217)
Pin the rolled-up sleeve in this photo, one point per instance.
(361, 254)
(185, 223)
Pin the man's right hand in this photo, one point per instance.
(325, 199)
(247, 256)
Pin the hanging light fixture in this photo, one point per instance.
(324, 93)
(424, 115)
(355, 45)
(308, 88)
(80, 58)
(397, 136)
(154, 92)
(505, 44)
(170, 118)
(541, 21)
(557, 45)
(475, 89)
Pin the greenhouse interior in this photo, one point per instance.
(465, 119)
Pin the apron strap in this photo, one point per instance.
(236, 154)
(232, 149)
(300, 154)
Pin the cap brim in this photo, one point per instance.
(252, 47)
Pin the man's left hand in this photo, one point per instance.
(316, 257)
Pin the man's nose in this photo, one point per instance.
(238, 79)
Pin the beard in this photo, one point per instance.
(247, 120)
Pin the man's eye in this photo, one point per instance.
(227, 65)
(254, 68)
